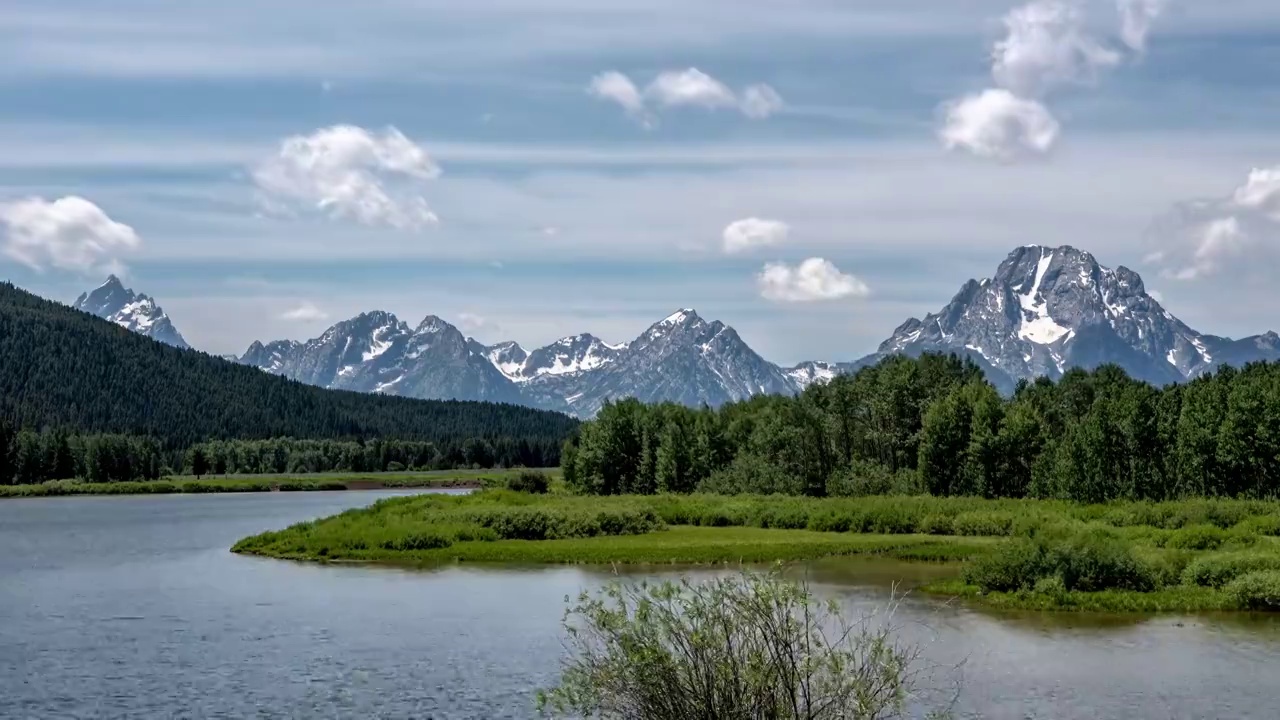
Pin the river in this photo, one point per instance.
(132, 607)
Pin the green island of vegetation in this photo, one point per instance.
(1180, 556)
(189, 484)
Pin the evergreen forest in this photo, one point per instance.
(934, 425)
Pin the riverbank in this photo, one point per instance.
(1182, 556)
(437, 480)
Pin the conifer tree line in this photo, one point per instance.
(29, 457)
(934, 425)
(81, 397)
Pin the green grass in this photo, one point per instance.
(269, 483)
(1012, 554)
(1177, 599)
(678, 545)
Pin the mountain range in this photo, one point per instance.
(1045, 310)
(114, 302)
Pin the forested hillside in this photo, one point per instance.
(933, 424)
(66, 371)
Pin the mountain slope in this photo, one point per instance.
(114, 302)
(1049, 309)
(682, 359)
(62, 368)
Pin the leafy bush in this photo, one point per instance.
(935, 524)
(1256, 590)
(1220, 569)
(530, 481)
(1197, 537)
(750, 646)
(983, 524)
(1266, 525)
(751, 475)
(1087, 561)
(394, 466)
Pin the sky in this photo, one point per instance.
(811, 172)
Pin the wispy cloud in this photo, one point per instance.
(747, 233)
(305, 312)
(683, 88)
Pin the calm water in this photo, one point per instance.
(133, 608)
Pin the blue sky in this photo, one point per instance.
(561, 212)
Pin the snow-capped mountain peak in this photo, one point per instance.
(1047, 309)
(134, 311)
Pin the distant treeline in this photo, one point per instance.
(934, 425)
(34, 457)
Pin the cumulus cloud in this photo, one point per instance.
(618, 88)
(305, 312)
(683, 88)
(1136, 18)
(753, 232)
(69, 233)
(1201, 238)
(1046, 46)
(998, 124)
(350, 173)
(813, 280)
(690, 87)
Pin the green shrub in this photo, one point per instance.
(983, 524)
(831, 521)
(935, 524)
(1197, 537)
(1265, 525)
(1256, 590)
(1087, 561)
(529, 481)
(861, 479)
(418, 541)
(1219, 569)
(394, 466)
(1018, 565)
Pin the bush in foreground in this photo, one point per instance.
(748, 646)
(1256, 591)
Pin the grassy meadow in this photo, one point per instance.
(1177, 556)
(440, 479)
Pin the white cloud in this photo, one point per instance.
(616, 87)
(812, 280)
(351, 173)
(683, 88)
(69, 233)
(305, 312)
(1047, 46)
(752, 232)
(997, 124)
(472, 323)
(1136, 18)
(690, 87)
(1201, 238)
(760, 101)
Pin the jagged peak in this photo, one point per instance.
(681, 317)
(112, 281)
(433, 323)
